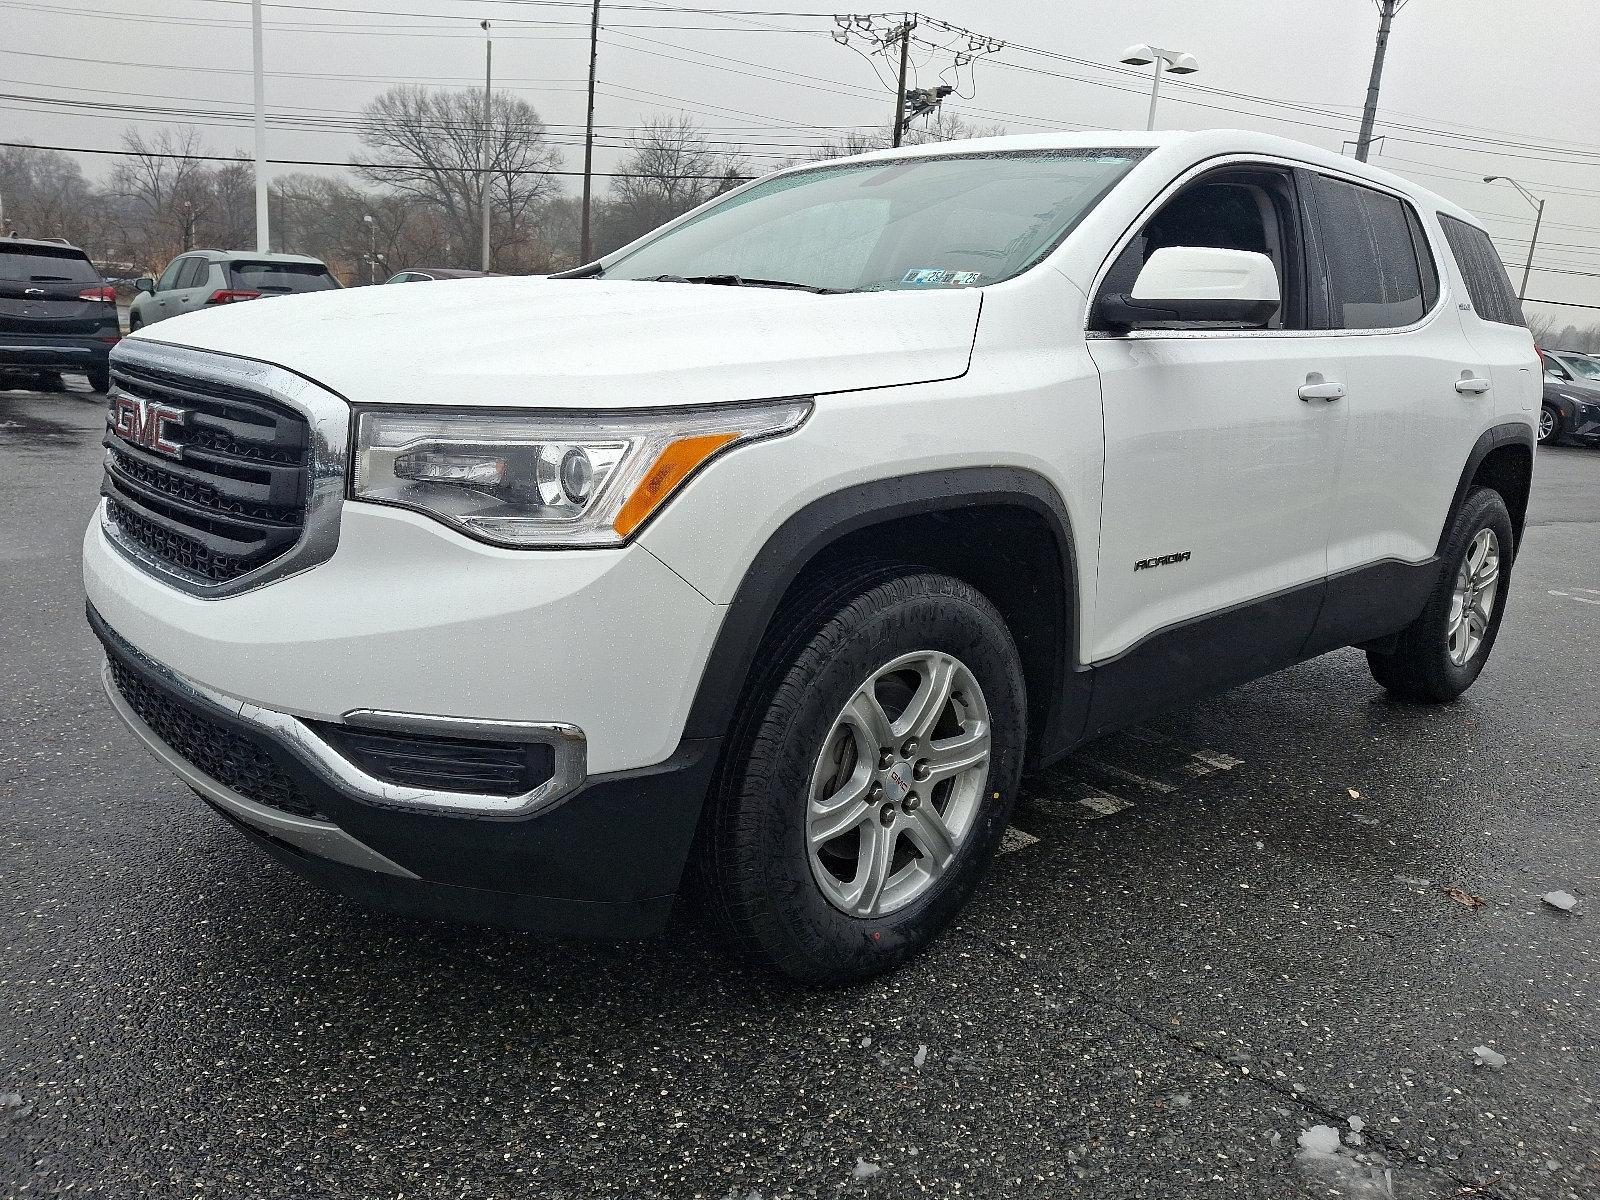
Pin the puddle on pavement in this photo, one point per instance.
(23, 426)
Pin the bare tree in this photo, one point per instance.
(944, 126)
(428, 144)
(167, 188)
(46, 195)
(670, 168)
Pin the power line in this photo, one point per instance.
(319, 162)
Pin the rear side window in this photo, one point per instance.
(1485, 274)
(1375, 271)
(281, 278)
(193, 274)
(40, 265)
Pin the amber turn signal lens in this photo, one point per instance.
(671, 467)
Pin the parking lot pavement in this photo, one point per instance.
(1206, 937)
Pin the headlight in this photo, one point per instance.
(541, 478)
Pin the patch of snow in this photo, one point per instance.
(1320, 1139)
(1489, 1058)
(864, 1169)
(1565, 901)
(920, 1057)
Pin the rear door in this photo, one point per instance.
(40, 293)
(1492, 318)
(1410, 428)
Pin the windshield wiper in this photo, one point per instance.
(745, 281)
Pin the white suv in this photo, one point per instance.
(767, 553)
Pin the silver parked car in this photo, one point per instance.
(200, 278)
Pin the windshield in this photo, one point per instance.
(1581, 365)
(949, 221)
(281, 277)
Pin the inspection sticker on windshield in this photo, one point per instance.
(940, 275)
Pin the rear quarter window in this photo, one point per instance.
(280, 278)
(1487, 283)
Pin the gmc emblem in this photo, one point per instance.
(146, 423)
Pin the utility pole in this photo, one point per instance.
(263, 232)
(588, 137)
(1369, 116)
(488, 134)
(900, 95)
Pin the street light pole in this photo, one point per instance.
(1538, 220)
(1176, 62)
(584, 240)
(488, 128)
(263, 233)
(372, 248)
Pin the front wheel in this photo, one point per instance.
(873, 781)
(1441, 653)
(1549, 425)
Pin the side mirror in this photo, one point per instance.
(1197, 283)
(146, 284)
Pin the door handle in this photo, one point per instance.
(1472, 385)
(1322, 391)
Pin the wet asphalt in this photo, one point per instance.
(1207, 936)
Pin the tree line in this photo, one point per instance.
(412, 196)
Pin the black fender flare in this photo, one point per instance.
(812, 529)
(1511, 433)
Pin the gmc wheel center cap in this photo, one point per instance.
(897, 781)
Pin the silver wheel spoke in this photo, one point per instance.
(867, 715)
(932, 695)
(957, 755)
(872, 867)
(842, 811)
(929, 833)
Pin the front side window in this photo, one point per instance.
(169, 277)
(1374, 263)
(946, 221)
(1487, 283)
(1235, 208)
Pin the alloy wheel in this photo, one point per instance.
(898, 783)
(1547, 424)
(1472, 603)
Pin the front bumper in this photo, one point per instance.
(20, 352)
(602, 858)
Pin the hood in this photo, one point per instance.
(591, 343)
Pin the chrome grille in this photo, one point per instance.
(233, 496)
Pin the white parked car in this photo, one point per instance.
(765, 554)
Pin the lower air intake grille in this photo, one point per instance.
(230, 758)
(443, 763)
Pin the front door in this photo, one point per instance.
(1222, 447)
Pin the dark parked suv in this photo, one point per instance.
(57, 313)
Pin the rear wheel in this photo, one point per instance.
(1549, 425)
(1441, 653)
(872, 784)
(134, 322)
(99, 378)
(50, 381)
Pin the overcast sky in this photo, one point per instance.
(1489, 86)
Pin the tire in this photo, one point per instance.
(783, 897)
(50, 381)
(99, 378)
(1427, 664)
(134, 322)
(1549, 425)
